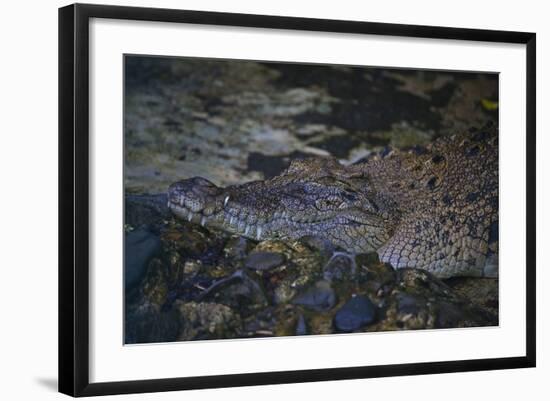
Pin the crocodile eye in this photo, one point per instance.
(328, 204)
(349, 196)
(321, 204)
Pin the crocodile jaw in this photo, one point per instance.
(283, 208)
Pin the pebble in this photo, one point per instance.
(264, 260)
(319, 297)
(359, 311)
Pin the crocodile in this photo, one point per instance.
(433, 207)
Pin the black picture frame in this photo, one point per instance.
(74, 198)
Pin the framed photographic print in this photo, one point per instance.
(249, 199)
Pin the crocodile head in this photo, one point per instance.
(316, 197)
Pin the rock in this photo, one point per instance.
(419, 300)
(448, 315)
(146, 209)
(414, 312)
(287, 317)
(144, 323)
(239, 291)
(192, 241)
(480, 291)
(301, 327)
(320, 323)
(264, 260)
(302, 267)
(261, 323)
(376, 278)
(319, 244)
(237, 248)
(340, 267)
(359, 311)
(408, 304)
(155, 285)
(141, 245)
(204, 320)
(320, 297)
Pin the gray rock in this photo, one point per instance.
(319, 297)
(236, 248)
(322, 245)
(340, 267)
(408, 304)
(238, 291)
(359, 311)
(264, 260)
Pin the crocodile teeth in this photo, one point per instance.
(259, 232)
(225, 201)
(246, 230)
(231, 220)
(203, 221)
(190, 216)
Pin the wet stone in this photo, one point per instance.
(155, 286)
(378, 278)
(272, 321)
(482, 292)
(236, 248)
(238, 291)
(264, 260)
(359, 311)
(408, 304)
(261, 323)
(193, 241)
(146, 324)
(301, 269)
(204, 320)
(448, 315)
(319, 244)
(141, 246)
(287, 317)
(301, 327)
(340, 267)
(319, 297)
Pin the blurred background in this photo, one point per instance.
(235, 121)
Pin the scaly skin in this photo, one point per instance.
(434, 208)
